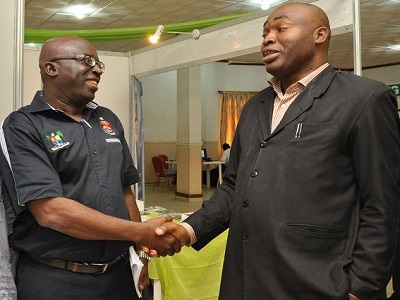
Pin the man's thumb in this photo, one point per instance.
(160, 230)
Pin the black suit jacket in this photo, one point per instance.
(312, 208)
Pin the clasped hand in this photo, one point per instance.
(163, 237)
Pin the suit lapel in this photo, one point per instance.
(315, 89)
(265, 109)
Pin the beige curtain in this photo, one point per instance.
(231, 107)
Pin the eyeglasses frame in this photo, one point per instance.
(86, 58)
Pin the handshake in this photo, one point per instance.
(162, 237)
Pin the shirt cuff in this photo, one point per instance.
(190, 231)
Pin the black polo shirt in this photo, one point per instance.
(52, 155)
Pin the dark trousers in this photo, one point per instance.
(37, 281)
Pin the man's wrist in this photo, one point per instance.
(144, 255)
(192, 236)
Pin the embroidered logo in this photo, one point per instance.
(57, 140)
(106, 126)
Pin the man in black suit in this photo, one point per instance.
(311, 193)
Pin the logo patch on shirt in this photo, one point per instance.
(56, 139)
(106, 126)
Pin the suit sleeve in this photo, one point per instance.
(375, 150)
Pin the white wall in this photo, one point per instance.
(388, 75)
(32, 81)
(160, 98)
(223, 77)
(160, 107)
(8, 55)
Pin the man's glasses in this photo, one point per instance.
(89, 60)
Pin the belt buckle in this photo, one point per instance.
(105, 267)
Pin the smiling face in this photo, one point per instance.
(68, 81)
(295, 41)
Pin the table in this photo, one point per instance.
(208, 165)
(190, 274)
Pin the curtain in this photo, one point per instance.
(231, 107)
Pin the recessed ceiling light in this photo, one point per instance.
(394, 47)
(79, 11)
(265, 4)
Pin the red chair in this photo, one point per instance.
(160, 172)
(167, 169)
(164, 159)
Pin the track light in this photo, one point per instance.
(160, 28)
(156, 36)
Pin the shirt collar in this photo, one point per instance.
(276, 83)
(39, 104)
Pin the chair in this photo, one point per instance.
(167, 169)
(159, 170)
(164, 159)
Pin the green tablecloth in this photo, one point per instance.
(191, 274)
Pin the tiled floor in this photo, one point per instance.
(162, 196)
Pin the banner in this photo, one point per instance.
(39, 36)
(138, 136)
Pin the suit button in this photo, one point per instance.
(263, 145)
(245, 204)
(254, 174)
(245, 236)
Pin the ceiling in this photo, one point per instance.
(380, 24)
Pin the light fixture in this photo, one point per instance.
(265, 4)
(79, 11)
(156, 36)
(394, 47)
(160, 28)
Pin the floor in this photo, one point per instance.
(162, 196)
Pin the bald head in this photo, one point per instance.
(62, 47)
(295, 41)
(70, 72)
(306, 14)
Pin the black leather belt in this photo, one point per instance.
(81, 267)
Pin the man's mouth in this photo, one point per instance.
(92, 82)
(269, 55)
(266, 53)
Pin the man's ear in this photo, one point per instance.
(50, 69)
(321, 35)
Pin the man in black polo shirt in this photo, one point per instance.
(67, 174)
